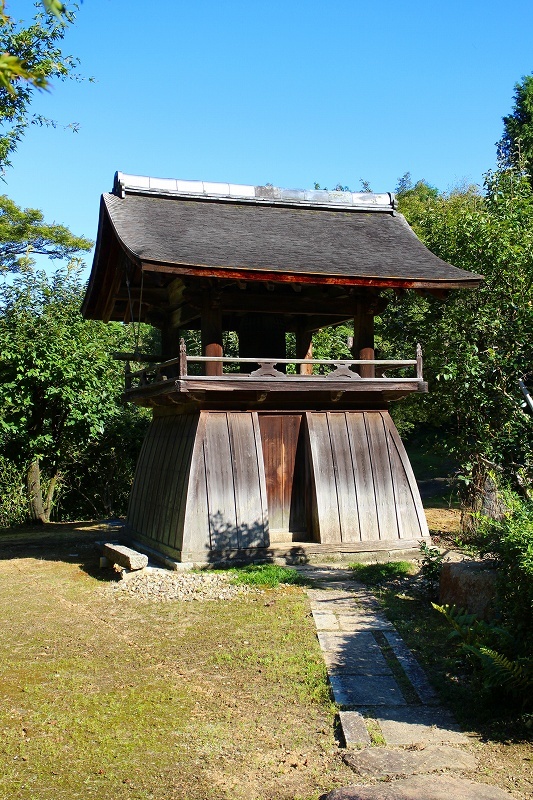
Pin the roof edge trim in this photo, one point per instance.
(238, 193)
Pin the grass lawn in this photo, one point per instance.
(104, 695)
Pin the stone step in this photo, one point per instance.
(421, 787)
(386, 762)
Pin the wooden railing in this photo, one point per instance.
(341, 369)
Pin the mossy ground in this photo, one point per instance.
(106, 696)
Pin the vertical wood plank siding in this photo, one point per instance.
(211, 482)
(363, 485)
(163, 468)
(325, 512)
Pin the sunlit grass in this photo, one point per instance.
(270, 575)
(376, 574)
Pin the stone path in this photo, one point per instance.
(385, 699)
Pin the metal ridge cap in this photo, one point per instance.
(261, 195)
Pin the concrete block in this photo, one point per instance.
(470, 585)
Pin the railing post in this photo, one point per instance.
(183, 359)
(127, 376)
(419, 362)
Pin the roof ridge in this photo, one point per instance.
(125, 184)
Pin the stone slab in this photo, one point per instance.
(328, 595)
(412, 668)
(422, 787)
(325, 621)
(124, 556)
(383, 762)
(342, 641)
(417, 725)
(364, 622)
(366, 690)
(357, 654)
(354, 728)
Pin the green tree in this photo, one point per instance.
(60, 384)
(24, 233)
(477, 344)
(515, 148)
(31, 58)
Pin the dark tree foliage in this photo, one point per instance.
(515, 148)
(62, 424)
(477, 344)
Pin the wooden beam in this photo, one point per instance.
(271, 302)
(206, 271)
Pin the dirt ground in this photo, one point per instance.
(103, 695)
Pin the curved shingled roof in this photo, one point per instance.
(246, 236)
(254, 233)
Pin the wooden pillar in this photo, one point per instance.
(304, 349)
(212, 334)
(363, 338)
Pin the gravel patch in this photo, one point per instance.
(159, 584)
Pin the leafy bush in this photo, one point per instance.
(503, 653)
(13, 495)
(431, 568)
(510, 543)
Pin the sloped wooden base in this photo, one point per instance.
(207, 482)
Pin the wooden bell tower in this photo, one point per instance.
(259, 453)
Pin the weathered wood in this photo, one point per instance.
(346, 492)
(363, 477)
(250, 505)
(124, 556)
(326, 520)
(183, 359)
(195, 530)
(219, 477)
(283, 466)
(381, 472)
(409, 476)
(419, 364)
(264, 276)
(176, 473)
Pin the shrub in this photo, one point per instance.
(510, 543)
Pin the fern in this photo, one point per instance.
(473, 631)
(515, 677)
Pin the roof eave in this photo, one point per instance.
(249, 274)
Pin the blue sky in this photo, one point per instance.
(288, 92)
